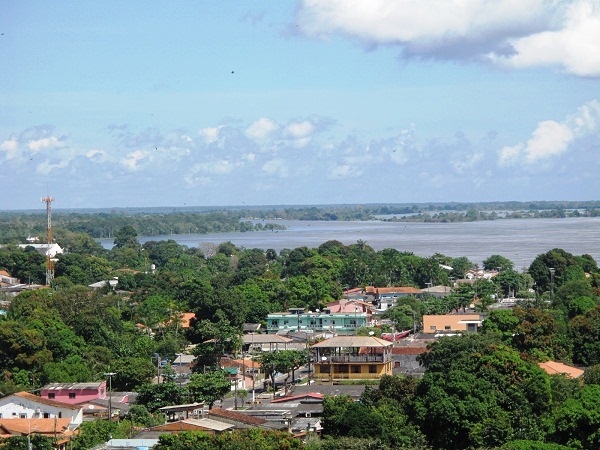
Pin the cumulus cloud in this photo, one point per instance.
(132, 160)
(209, 135)
(575, 46)
(45, 143)
(300, 129)
(261, 129)
(45, 167)
(276, 167)
(10, 148)
(517, 33)
(96, 155)
(551, 138)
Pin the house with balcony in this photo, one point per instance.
(296, 319)
(352, 358)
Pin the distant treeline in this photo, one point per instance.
(16, 225)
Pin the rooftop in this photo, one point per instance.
(235, 416)
(352, 341)
(45, 401)
(555, 368)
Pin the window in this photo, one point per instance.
(372, 368)
(46, 415)
(275, 323)
(432, 327)
(448, 327)
(22, 416)
(51, 395)
(72, 395)
(0, 415)
(396, 364)
(285, 322)
(325, 368)
(355, 369)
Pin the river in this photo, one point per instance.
(520, 240)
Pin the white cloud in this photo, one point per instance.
(344, 171)
(276, 167)
(517, 33)
(10, 147)
(40, 144)
(220, 167)
(45, 167)
(209, 135)
(133, 159)
(261, 129)
(575, 46)
(95, 154)
(551, 138)
(300, 130)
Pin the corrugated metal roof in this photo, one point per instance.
(265, 339)
(352, 341)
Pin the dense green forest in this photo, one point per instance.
(478, 391)
(16, 225)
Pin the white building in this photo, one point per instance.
(23, 405)
(45, 249)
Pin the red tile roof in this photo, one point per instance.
(553, 368)
(45, 401)
(185, 319)
(13, 427)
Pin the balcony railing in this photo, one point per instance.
(358, 358)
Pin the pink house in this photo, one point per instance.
(74, 393)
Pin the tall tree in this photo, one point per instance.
(208, 387)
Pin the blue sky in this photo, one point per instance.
(184, 103)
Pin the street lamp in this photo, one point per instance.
(29, 445)
(109, 375)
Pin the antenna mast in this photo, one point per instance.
(49, 262)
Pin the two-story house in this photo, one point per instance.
(352, 358)
(296, 319)
(75, 393)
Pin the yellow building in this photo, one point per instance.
(352, 358)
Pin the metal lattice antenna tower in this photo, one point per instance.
(49, 263)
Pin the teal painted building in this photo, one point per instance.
(312, 322)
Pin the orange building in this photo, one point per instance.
(451, 322)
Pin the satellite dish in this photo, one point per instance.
(90, 406)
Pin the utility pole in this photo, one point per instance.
(49, 262)
(110, 375)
